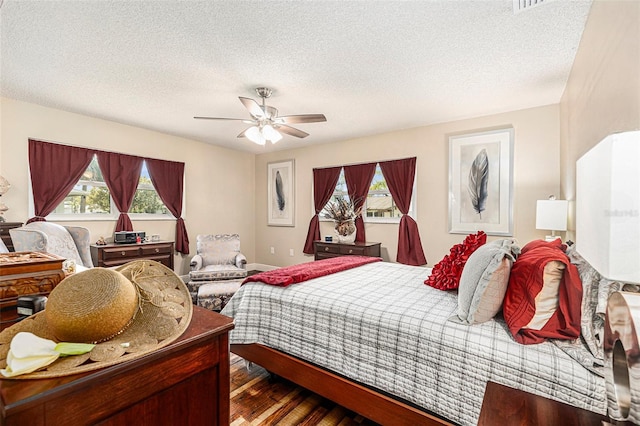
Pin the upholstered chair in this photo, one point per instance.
(218, 265)
(70, 242)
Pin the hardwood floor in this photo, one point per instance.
(259, 399)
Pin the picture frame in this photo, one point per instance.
(481, 182)
(281, 193)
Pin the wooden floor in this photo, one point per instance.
(259, 399)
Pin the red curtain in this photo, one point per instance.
(358, 178)
(55, 170)
(324, 184)
(121, 173)
(399, 175)
(167, 178)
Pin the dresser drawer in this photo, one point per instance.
(327, 248)
(353, 250)
(150, 251)
(120, 252)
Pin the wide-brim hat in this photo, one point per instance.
(161, 313)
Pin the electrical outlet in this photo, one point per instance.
(290, 252)
(273, 250)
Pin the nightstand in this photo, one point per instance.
(326, 249)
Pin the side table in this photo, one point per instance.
(118, 254)
(4, 233)
(327, 249)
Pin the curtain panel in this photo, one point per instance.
(358, 178)
(55, 169)
(324, 183)
(121, 173)
(167, 178)
(400, 175)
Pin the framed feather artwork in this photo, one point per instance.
(481, 182)
(280, 193)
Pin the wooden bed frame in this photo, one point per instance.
(367, 402)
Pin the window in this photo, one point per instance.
(90, 199)
(379, 206)
(147, 201)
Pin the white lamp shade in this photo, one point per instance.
(254, 135)
(608, 207)
(271, 134)
(552, 215)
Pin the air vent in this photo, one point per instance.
(523, 5)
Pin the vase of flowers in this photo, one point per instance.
(343, 212)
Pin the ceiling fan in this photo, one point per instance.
(266, 125)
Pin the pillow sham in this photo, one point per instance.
(539, 306)
(445, 275)
(484, 281)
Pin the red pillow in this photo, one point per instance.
(446, 273)
(526, 306)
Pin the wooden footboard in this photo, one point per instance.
(367, 402)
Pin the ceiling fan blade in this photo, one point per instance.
(292, 131)
(253, 107)
(302, 118)
(220, 118)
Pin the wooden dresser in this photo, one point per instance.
(325, 249)
(185, 383)
(25, 274)
(4, 233)
(119, 254)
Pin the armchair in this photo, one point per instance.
(217, 269)
(70, 242)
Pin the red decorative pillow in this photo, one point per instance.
(446, 273)
(544, 295)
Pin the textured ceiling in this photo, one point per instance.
(370, 67)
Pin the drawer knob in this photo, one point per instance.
(123, 253)
(157, 250)
(350, 251)
(326, 249)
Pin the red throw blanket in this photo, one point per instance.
(305, 271)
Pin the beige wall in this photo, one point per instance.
(219, 182)
(602, 95)
(536, 176)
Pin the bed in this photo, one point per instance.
(377, 340)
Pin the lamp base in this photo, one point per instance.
(549, 238)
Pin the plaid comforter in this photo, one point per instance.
(380, 325)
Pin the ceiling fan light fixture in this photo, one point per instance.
(254, 135)
(271, 134)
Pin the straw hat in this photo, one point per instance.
(129, 312)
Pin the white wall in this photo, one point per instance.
(219, 182)
(602, 95)
(536, 176)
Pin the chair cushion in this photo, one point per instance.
(59, 240)
(217, 272)
(218, 249)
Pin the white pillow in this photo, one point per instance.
(484, 281)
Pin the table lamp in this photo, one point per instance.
(551, 215)
(608, 237)
(4, 187)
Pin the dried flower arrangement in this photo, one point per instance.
(343, 212)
